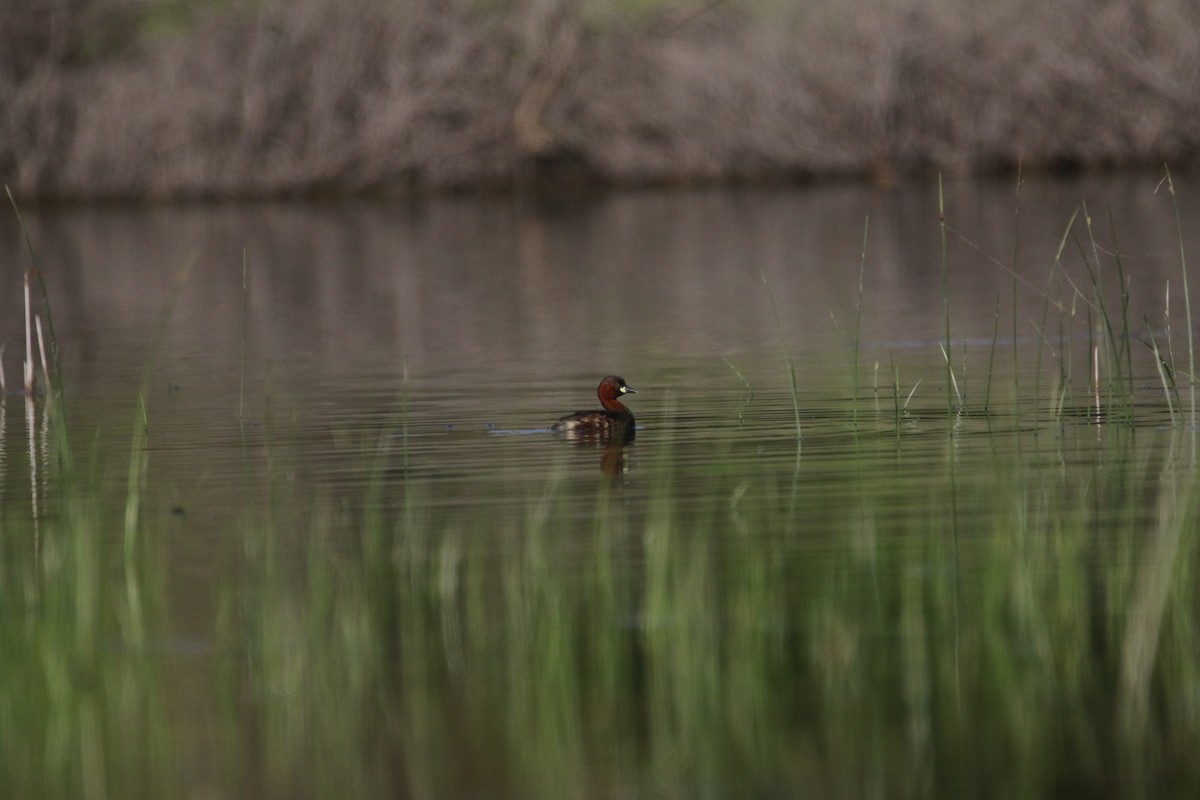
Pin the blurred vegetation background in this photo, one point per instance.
(195, 98)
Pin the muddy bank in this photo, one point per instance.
(152, 99)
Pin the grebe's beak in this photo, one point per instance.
(627, 390)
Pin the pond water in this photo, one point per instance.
(359, 562)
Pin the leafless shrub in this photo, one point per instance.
(304, 96)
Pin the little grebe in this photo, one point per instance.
(615, 421)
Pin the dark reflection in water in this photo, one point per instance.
(469, 289)
(876, 576)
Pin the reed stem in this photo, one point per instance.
(791, 367)
(28, 374)
(1016, 260)
(242, 370)
(1187, 300)
(862, 265)
(951, 386)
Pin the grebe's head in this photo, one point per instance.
(613, 386)
(610, 389)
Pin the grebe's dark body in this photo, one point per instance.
(614, 421)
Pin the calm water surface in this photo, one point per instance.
(877, 584)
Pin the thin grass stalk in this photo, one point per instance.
(136, 479)
(1093, 362)
(242, 366)
(1126, 329)
(1043, 341)
(34, 501)
(946, 304)
(408, 506)
(987, 388)
(28, 369)
(1118, 387)
(953, 380)
(1167, 324)
(875, 387)
(1064, 370)
(1101, 309)
(1016, 260)
(749, 391)
(911, 392)
(862, 265)
(1187, 301)
(950, 423)
(3, 450)
(896, 398)
(786, 357)
(37, 320)
(1161, 365)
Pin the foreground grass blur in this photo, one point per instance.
(84, 708)
(1043, 642)
(759, 640)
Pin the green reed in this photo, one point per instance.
(1014, 270)
(787, 357)
(749, 391)
(1113, 356)
(948, 346)
(1109, 383)
(1187, 299)
(856, 348)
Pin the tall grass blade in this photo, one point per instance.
(787, 357)
(951, 387)
(1187, 304)
(987, 389)
(895, 396)
(28, 368)
(1056, 269)
(1118, 383)
(862, 266)
(749, 391)
(34, 482)
(1126, 328)
(37, 323)
(953, 379)
(242, 366)
(1165, 374)
(1016, 261)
